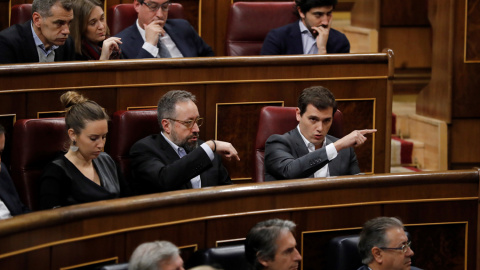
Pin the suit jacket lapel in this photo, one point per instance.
(334, 165)
(296, 38)
(30, 49)
(168, 151)
(177, 40)
(136, 40)
(300, 146)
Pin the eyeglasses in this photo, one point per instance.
(403, 248)
(154, 7)
(189, 123)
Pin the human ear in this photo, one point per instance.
(377, 254)
(37, 19)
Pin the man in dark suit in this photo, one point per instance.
(176, 158)
(153, 36)
(312, 34)
(10, 204)
(45, 38)
(306, 150)
(383, 245)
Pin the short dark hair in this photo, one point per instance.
(166, 104)
(261, 240)
(373, 235)
(44, 7)
(306, 5)
(318, 96)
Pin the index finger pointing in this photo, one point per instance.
(367, 131)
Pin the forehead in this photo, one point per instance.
(314, 111)
(285, 240)
(396, 236)
(323, 9)
(58, 12)
(187, 109)
(159, 2)
(96, 11)
(95, 127)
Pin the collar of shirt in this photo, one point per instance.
(40, 44)
(174, 146)
(308, 41)
(309, 145)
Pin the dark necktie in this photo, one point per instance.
(162, 50)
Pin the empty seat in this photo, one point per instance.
(122, 16)
(279, 120)
(228, 258)
(249, 23)
(127, 128)
(36, 142)
(20, 13)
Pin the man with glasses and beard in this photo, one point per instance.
(153, 36)
(176, 158)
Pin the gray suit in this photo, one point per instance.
(287, 157)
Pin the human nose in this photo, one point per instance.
(195, 127)
(101, 144)
(297, 256)
(160, 13)
(409, 252)
(325, 20)
(101, 26)
(66, 30)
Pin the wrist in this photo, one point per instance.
(214, 146)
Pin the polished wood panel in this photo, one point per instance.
(412, 45)
(435, 100)
(404, 13)
(472, 40)
(322, 208)
(243, 117)
(121, 84)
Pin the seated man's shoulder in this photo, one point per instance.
(337, 34)
(13, 33)
(178, 22)
(146, 142)
(286, 137)
(127, 31)
(284, 29)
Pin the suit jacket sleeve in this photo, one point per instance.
(271, 44)
(9, 194)
(283, 160)
(7, 53)
(186, 39)
(163, 169)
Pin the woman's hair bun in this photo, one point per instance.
(71, 98)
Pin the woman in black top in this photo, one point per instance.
(85, 173)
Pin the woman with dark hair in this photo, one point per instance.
(85, 173)
(89, 30)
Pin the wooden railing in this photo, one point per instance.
(440, 211)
